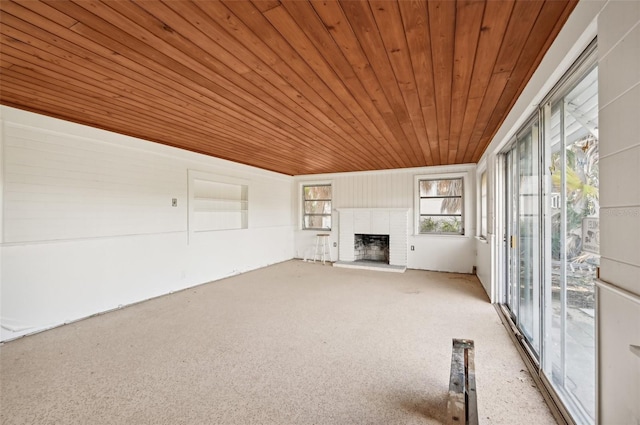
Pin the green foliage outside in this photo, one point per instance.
(449, 225)
(581, 196)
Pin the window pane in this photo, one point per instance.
(572, 161)
(444, 187)
(317, 222)
(440, 224)
(483, 204)
(433, 206)
(317, 207)
(317, 192)
(428, 187)
(528, 243)
(450, 187)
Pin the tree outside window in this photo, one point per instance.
(317, 207)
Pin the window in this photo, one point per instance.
(441, 206)
(483, 205)
(317, 207)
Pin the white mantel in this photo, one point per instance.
(375, 221)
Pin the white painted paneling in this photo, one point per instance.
(361, 222)
(619, 379)
(622, 131)
(398, 235)
(2, 158)
(615, 21)
(621, 189)
(266, 208)
(59, 186)
(623, 61)
(625, 275)
(89, 226)
(347, 242)
(380, 223)
(484, 264)
(443, 253)
(384, 189)
(619, 79)
(618, 318)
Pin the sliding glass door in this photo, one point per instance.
(552, 237)
(523, 234)
(571, 256)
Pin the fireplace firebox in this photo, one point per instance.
(371, 248)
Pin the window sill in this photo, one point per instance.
(441, 235)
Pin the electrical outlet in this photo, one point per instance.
(174, 202)
(335, 244)
(413, 248)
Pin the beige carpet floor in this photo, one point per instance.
(294, 343)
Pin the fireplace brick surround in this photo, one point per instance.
(393, 222)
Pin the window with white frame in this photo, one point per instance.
(441, 206)
(316, 200)
(483, 205)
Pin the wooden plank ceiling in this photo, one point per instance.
(298, 87)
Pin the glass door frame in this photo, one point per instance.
(510, 180)
(586, 64)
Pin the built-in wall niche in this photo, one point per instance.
(217, 203)
(371, 248)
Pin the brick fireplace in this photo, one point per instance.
(392, 223)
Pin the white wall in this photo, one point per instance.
(396, 189)
(619, 124)
(485, 257)
(88, 225)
